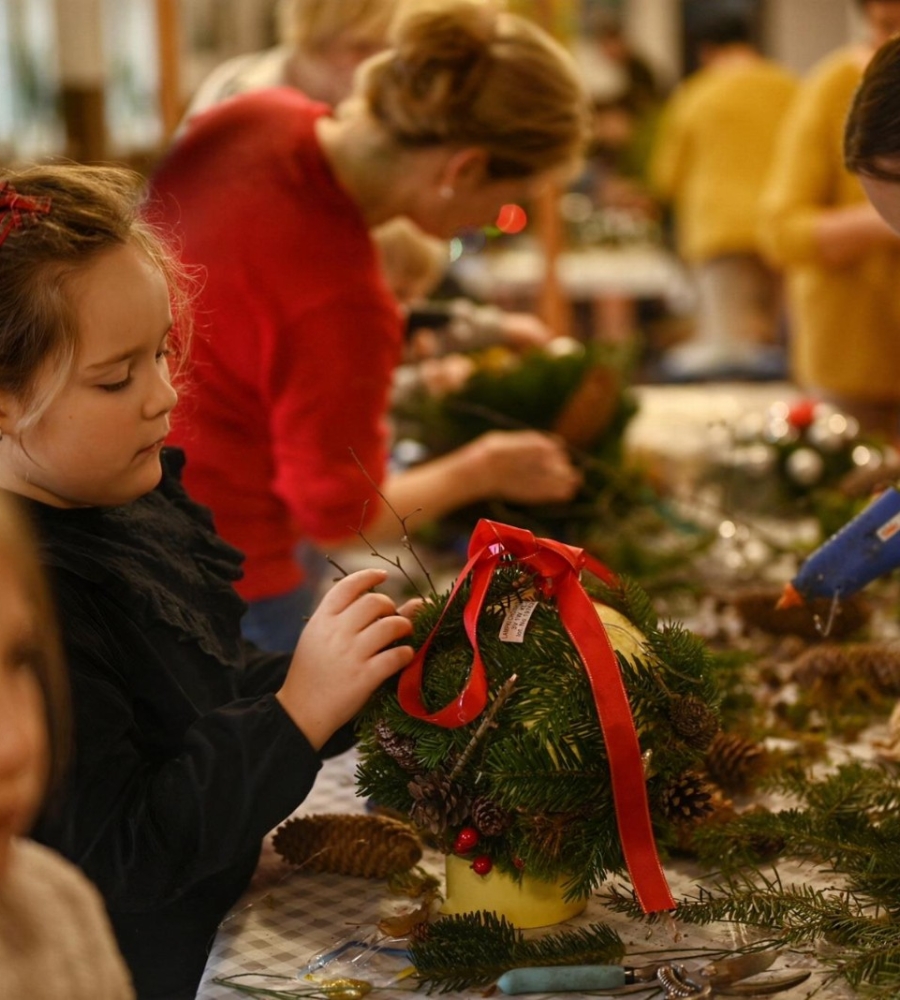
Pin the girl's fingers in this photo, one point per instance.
(389, 661)
(411, 608)
(384, 631)
(350, 589)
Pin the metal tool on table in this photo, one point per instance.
(725, 977)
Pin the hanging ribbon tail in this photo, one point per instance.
(557, 568)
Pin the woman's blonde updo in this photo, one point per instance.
(468, 73)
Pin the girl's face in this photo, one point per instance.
(98, 442)
(24, 743)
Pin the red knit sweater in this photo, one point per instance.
(296, 333)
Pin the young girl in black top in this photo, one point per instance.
(190, 744)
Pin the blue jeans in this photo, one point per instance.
(275, 623)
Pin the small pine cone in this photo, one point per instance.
(733, 762)
(878, 662)
(693, 721)
(438, 803)
(826, 662)
(364, 846)
(402, 749)
(490, 819)
(687, 798)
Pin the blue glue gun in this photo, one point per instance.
(866, 547)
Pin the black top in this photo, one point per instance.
(183, 758)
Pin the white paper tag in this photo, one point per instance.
(516, 621)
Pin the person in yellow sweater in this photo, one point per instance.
(841, 259)
(709, 162)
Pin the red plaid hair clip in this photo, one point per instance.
(15, 208)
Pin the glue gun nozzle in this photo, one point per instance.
(790, 598)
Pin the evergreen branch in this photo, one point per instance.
(474, 949)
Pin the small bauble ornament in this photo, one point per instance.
(802, 413)
(466, 840)
(805, 466)
(482, 865)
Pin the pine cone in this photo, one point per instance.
(438, 803)
(693, 721)
(757, 610)
(490, 819)
(402, 749)
(875, 662)
(365, 846)
(733, 762)
(687, 798)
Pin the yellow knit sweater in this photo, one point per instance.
(844, 321)
(713, 150)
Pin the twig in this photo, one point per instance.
(338, 567)
(505, 691)
(407, 544)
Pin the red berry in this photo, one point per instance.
(466, 840)
(519, 863)
(802, 413)
(482, 865)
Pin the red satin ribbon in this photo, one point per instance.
(557, 568)
(15, 208)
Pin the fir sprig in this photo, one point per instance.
(474, 949)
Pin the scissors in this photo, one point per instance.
(723, 977)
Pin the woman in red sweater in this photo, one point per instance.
(273, 197)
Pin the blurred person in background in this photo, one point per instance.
(322, 43)
(710, 159)
(841, 259)
(274, 197)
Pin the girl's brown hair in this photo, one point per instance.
(466, 72)
(872, 132)
(18, 551)
(93, 209)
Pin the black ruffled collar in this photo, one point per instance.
(159, 557)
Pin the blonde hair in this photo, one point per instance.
(313, 25)
(92, 210)
(466, 72)
(409, 255)
(18, 551)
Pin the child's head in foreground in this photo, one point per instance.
(88, 296)
(33, 693)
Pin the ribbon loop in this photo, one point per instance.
(557, 568)
(15, 208)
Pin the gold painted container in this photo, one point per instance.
(525, 903)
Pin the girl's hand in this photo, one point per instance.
(344, 653)
(525, 467)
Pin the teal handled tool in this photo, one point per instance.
(588, 978)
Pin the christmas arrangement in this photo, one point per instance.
(803, 458)
(581, 393)
(515, 774)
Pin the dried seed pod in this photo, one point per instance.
(365, 846)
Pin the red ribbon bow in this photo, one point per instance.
(15, 208)
(557, 568)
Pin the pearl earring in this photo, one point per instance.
(446, 192)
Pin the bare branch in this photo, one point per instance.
(406, 542)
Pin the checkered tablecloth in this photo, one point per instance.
(289, 916)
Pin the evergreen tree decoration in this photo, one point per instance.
(532, 774)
